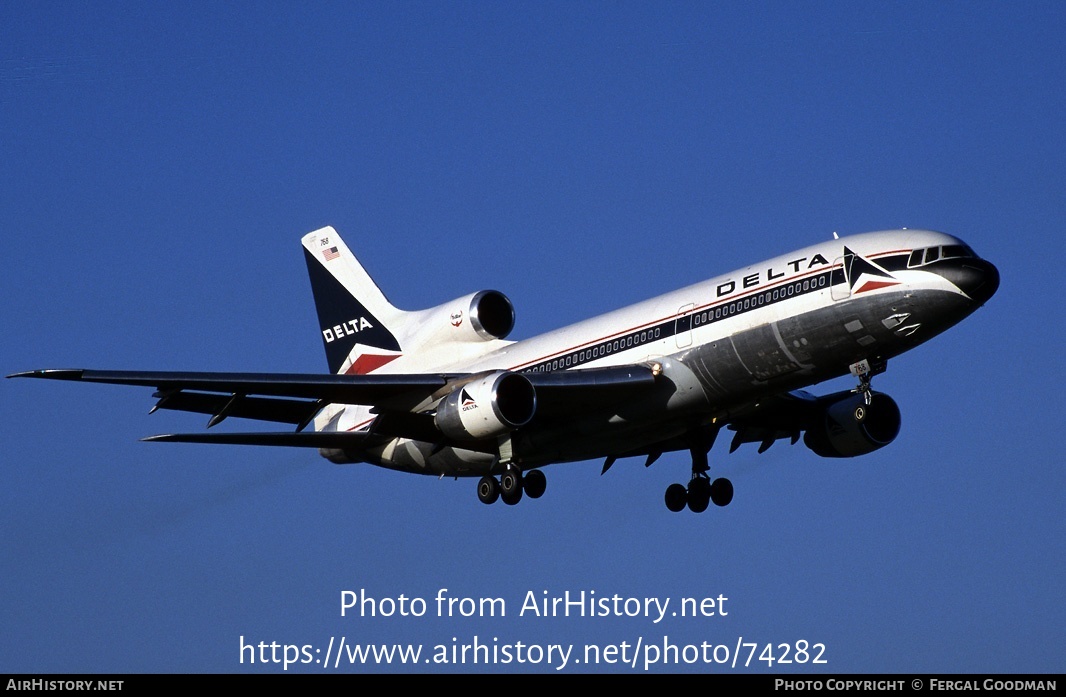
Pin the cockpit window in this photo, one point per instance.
(931, 254)
(953, 251)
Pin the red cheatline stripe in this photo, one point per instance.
(369, 362)
(874, 285)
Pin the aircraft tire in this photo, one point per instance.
(699, 495)
(721, 491)
(488, 490)
(511, 486)
(511, 481)
(534, 483)
(511, 498)
(676, 497)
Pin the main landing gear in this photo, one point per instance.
(701, 491)
(511, 485)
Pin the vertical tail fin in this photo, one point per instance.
(353, 313)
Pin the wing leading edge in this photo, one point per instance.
(341, 389)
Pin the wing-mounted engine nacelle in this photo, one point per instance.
(849, 426)
(487, 407)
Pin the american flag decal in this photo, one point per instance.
(330, 253)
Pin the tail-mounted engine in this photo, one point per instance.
(491, 314)
(849, 426)
(487, 407)
(478, 317)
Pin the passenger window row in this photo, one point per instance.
(575, 358)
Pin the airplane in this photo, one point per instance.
(442, 392)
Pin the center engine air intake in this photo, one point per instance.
(491, 314)
(487, 407)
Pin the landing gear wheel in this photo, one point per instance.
(511, 486)
(676, 497)
(534, 483)
(721, 491)
(699, 494)
(488, 490)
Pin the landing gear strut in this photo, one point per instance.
(701, 491)
(865, 370)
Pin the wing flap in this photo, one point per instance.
(286, 411)
(774, 418)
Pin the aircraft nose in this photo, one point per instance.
(978, 278)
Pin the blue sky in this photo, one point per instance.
(160, 163)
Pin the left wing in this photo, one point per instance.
(403, 402)
(280, 397)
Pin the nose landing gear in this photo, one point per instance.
(865, 371)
